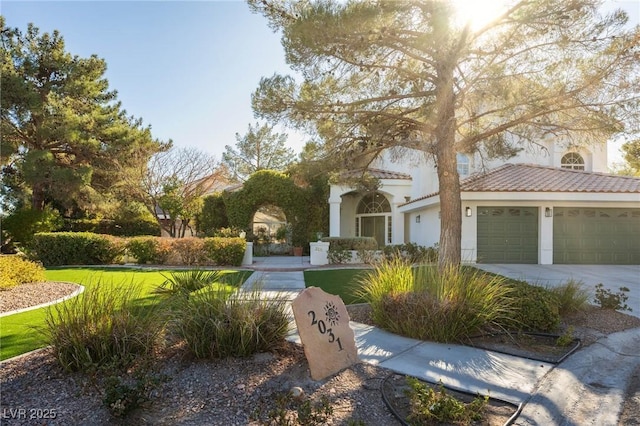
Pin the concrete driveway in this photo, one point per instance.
(612, 276)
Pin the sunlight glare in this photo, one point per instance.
(478, 12)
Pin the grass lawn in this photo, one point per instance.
(18, 334)
(335, 281)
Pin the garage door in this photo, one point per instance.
(596, 236)
(507, 234)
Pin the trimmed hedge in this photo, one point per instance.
(76, 248)
(83, 248)
(15, 271)
(353, 243)
(147, 249)
(225, 251)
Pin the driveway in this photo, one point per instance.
(611, 276)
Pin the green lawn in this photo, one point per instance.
(18, 332)
(335, 281)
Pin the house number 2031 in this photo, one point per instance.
(332, 318)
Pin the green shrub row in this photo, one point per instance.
(351, 243)
(15, 271)
(84, 248)
(76, 248)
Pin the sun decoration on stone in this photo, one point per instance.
(331, 312)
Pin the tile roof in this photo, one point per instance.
(378, 174)
(536, 178)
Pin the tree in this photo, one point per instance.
(175, 181)
(382, 74)
(64, 135)
(259, 149)
(632, 156)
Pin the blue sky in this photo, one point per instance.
(187, 68)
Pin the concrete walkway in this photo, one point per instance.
(587, 388)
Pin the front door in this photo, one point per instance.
(374, 226)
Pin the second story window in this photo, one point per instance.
(573, 161)
(463, 165)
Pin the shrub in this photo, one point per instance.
(429, 406)
(225, 251)
(190, 249)
(76, 248)
(535, 309)
(338, 256)
(424, 304)
(185, 282)
(411, 252)
(352, 243)
(103, 326)
(571, 297)
(147, 249)
(15, 271)
(219, 324)
(606, 299)
(23, 224)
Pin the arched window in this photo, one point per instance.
(573, 161)
(374, 203)
(463, 164)
(373, 218)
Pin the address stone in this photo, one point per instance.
(323, 326)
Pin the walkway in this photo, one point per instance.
(597, 375)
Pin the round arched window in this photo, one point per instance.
(374, 203)
(573, 161)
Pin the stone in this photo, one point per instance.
(323, 325)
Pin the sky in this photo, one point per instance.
(187, 68)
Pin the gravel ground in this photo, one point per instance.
(36, 391)
(33, 294)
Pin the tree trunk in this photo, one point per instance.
(448, 179)
(37, 197)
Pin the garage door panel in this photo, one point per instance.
(596, 236)
(507, 234)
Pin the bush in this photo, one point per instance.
(76, 248)
(185, 282)
(606, 299)
(219, 324)
(15, 271)
(190, 249)
(535, 309)
(225, 251)
(154, 250)
(353, 243)
(571, 297)
(411, 252)
(102, 327)
(213, 216)
(424, 304)
(429, 406)
(23, 224)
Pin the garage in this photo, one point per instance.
(596, 236)
(507, 235)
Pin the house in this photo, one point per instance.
(553, 204)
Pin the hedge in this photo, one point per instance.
(84, 248)
(121, 228)
(76, 248)
(352, 243)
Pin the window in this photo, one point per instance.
(374, 203)
(572, 161)
(463, 164)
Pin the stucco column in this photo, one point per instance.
(334, 218)
(397, 225)
(546, 235)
